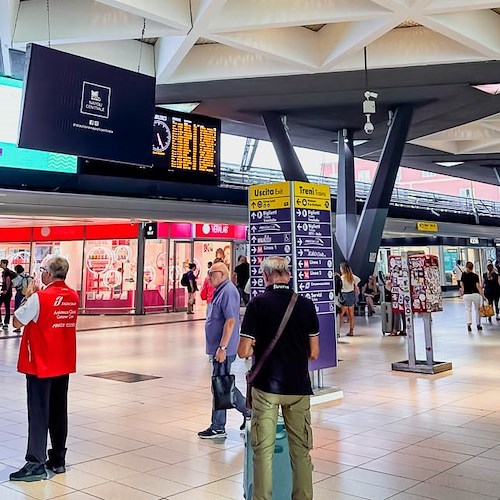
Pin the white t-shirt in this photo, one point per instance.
(349, 287)
(29, 311)
(458, 271)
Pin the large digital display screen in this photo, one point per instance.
(184, 148)
(12, 156)
(86, 108)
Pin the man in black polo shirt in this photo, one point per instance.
(283, 379)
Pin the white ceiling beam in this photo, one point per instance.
(442, 6)
(174, 13)
(393, 5)
(479, 30)
(8, 10)
(292, 45)
(220, 62)
(122, 53)
(243, 15)
(90, 22)
(480, 146)
(344, 39)
(170, 51)
(404, 47)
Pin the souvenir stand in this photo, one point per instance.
(416, 289)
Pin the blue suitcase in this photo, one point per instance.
(282, 468)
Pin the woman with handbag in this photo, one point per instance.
(350, 292)
(470, 287)
(491, 285)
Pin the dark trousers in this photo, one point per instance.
(18, 299)
(47, 410)
(493, 300)
(5, 299)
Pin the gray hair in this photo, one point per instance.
(57, 267)
(275, 265)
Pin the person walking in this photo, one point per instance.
(47, 355)
(221, 336)
(6, 292)
(192, 288)
(491, 285)
(207, 290)
(350, 293)
(21, 283)
(458, 270)
(240, 277)
(470, 288)
(371, 294)
(283, 379)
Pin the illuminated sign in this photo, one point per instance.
(428, 227)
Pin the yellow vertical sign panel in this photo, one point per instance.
(312, 196)
(269, 196)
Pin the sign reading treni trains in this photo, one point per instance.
(293, 220)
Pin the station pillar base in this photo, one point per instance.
(326, 394)
(422, 367)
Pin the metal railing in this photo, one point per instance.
(233, 177)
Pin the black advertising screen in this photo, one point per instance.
(185, 148)
(86, 108)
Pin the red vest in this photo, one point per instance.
(48, 347)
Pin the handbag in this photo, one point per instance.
(223, 390)
(254, 371)
(486, 311)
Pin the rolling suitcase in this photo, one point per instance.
(386, 313)
(282, 468)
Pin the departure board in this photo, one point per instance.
(186, 147)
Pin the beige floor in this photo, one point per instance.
(394, 435)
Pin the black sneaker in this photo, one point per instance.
(30, 472)
(212, 434)
(479, 328)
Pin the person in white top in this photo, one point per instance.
(349, 295)
(458, 270)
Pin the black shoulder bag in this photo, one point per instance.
(254, 371)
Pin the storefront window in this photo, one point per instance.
(110, 269)
(155, 270)
(16, 253)
(70, 250)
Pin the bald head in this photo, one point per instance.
(218, 274)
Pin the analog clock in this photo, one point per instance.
(161, 136)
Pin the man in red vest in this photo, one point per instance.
(47, 356)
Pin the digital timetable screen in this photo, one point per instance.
(185, 148)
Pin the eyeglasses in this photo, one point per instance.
(213, 272)
(43, 270)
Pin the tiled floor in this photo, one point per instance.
(394, 435)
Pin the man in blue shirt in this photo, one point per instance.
(222, 334)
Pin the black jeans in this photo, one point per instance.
(5, 299)
(47, 411)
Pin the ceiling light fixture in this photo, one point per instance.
(449, 163)
(489, 88)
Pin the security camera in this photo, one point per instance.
(369, 128)
(370, 95)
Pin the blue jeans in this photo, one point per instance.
(219, 416)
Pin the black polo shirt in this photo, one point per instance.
(286, 370)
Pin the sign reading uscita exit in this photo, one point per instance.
(293, 220)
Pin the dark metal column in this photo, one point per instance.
(345, 220)
(290, 164)
(363, 253)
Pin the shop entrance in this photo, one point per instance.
(180, 257)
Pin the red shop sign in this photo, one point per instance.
(58, 233)
(217, 231)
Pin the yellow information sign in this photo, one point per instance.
(269, 196)
(428, 227)
(315, 196)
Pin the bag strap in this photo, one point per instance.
(255, 370)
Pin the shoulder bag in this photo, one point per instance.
(223, 389)
(254, 371)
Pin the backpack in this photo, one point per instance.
(25, 283)
(185, 279)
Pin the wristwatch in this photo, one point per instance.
(222, 347)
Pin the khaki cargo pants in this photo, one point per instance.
(297, 415)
